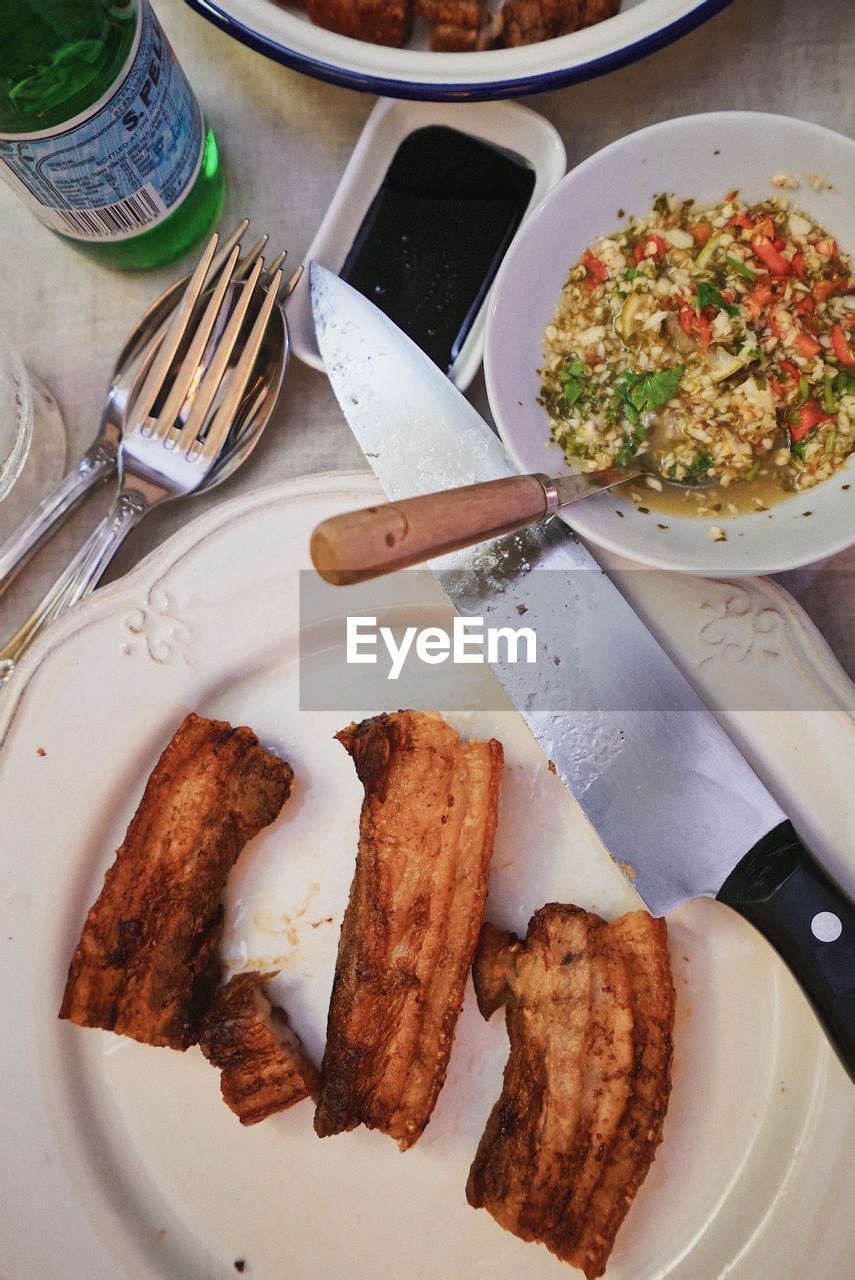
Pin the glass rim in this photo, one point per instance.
(12, 461)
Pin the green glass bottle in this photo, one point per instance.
(100, 133)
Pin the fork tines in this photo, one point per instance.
(196, 351)
(213, 376)
(226, 411)
(171, 341)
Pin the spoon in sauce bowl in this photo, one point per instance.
(660, 438)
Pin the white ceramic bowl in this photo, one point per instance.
(283, 32)
(704, 156)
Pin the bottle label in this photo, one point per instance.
(124, 165)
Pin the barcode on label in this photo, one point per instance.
(111, 220)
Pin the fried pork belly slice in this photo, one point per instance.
(492, 967)
(589, 1011)
(456, 23)
(412, 921)
(146, 965)
(377, 21)
(263, 1065)
(528, 21)
(643, 941)
(446, 38)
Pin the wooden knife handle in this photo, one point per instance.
(809, 920)
(365, 544)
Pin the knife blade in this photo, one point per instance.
(676, 804)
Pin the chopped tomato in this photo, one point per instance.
(840, 346)
(807, 345)
(809, 416)
(701, 232)
(827, 247)
(824, 288)
(790, 375)
(642, 249)
(597, 270)
(798, 265)
(741, 219)
(805, 306)
(757, 300)
(704, 330)
(770, 257)
(687, 319)
(764, 227)
(778, 243)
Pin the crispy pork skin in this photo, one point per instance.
(447, 38)
(456, 23)
(589, 1012)
(378, 21)
(529, 21)
(263, 1066)
(412, 921)
(643, 942)
(146, 965)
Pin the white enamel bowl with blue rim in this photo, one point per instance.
(285, 33)
(702, 156)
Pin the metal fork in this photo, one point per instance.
(165, 455)
(99, 461)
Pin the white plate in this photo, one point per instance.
(120, 1160)
(703, 156)
(283, 32)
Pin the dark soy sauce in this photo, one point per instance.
(435, 234)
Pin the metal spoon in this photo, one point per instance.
(248, 422)
(99, 460)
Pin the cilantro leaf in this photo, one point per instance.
(573, 391)
(574, 381)
(710, 296)
(634, 394)
(625, 453)
(644, 392)
(844, 384)
(700, 464)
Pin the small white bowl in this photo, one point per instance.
(284, 32)
(504, 124)
(703, 156)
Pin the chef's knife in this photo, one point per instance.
(676, 804)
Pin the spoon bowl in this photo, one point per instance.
(196, 411)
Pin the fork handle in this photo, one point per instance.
(94, 467)
(81, 576)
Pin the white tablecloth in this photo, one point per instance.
(285, 140)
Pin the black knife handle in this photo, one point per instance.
(809, 920)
